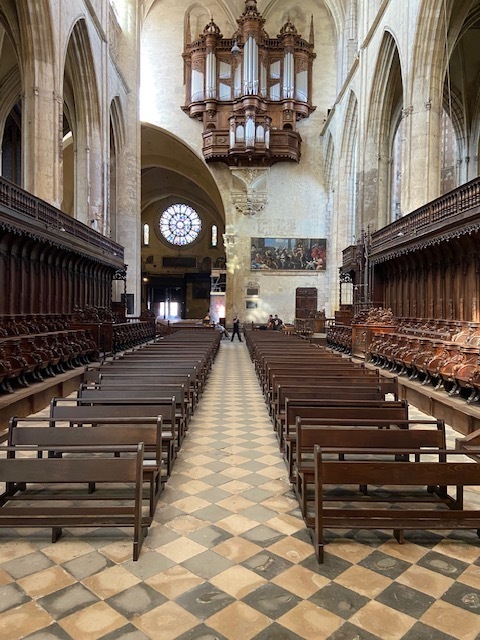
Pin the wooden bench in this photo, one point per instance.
(143, 392)
(411, 434)
(470, 445)
(137, 383)
(399, 482)
(110, 378)
(114, 414)
(332, 370)
(155, 369)
(347, 383)
(384, 414)
(281, 392)
(67, 472)
(21, 432)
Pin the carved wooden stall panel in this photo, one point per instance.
(427, 263)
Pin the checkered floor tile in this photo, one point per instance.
(228, 556)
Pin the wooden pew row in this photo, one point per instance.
(396, 478)
(184, 350)
(347, 383)
(315, 367)
(106, 379)
(144, 392)
(25, 432)
(183, 356)
(357, 433)
(149, 388)
(299, 360)
(170, 368)
(383, 415)
(298, 391)
(115, 414)
(64, 473)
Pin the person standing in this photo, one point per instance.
(236, 328)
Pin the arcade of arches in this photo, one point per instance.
(94, 118)
(311, 159)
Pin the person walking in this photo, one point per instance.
(236, 328)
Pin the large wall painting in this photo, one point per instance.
(289, 254)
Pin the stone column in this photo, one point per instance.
(422, 150)
(128, 218)
(41, 125)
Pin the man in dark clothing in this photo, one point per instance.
(277, 323)
(236, 328)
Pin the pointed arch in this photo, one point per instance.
(11, 90)
(386, 106)
(82, 116)
(116, 143)
(348, 155)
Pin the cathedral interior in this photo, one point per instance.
(167, 167)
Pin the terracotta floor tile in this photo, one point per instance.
(22, 621)
(311, 622)
(166, 622)
(238, 621)
(93, 622)
(382, 621)
(452, 620)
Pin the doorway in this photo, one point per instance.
(167, 303)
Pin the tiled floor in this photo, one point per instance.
(228, 557)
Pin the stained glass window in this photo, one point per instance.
(180, 224)
(146, 235)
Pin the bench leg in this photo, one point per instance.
(400, 538)
(56, 533)
(137, 542)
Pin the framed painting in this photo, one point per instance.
(288, 254)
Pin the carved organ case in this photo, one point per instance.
(250, 90)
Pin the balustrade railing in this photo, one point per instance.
(22, 202)
(455, 203)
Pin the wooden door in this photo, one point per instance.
(305, 301)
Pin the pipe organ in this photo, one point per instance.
(250, 90)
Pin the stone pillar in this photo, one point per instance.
(128, 213)
(421, 154)
(41, 126)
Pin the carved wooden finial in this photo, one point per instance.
(312, 33)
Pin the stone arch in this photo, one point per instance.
(348, 163)
(11, 84)
(197, 16)
(441, 26)
(476, 130)
(385, 97)
(172, 173)
(116, 141)
(461, 86)
(81, 97)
